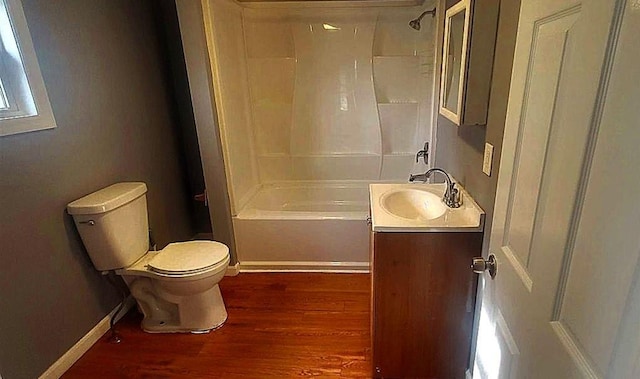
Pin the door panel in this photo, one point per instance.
(499, 353)
(548, 54)
(607, 243)
(566, 215)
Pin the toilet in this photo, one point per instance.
(176, 288)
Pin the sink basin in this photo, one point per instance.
(418, 207)
(413, 204)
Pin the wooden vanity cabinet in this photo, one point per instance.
(422, 303)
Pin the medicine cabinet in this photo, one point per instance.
(467, 61)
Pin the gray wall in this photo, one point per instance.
(184, 114)
(460, 149)
(106, 78)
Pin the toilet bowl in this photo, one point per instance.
(176, 288)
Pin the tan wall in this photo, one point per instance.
(105, 75)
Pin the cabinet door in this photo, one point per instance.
(423, 303)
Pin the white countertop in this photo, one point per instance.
(468, 218)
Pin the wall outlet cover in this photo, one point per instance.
(488, 158)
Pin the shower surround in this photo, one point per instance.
(314, 103)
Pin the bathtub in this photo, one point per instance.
(305, 226)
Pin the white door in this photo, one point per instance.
(566, 231)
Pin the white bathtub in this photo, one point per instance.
(305, 226)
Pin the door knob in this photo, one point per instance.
(480, 265)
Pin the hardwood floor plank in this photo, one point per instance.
(280, 325)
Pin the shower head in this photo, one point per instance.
(415, 24)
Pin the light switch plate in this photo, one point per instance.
(488, 158)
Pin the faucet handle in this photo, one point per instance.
(424, 153)
(454, 199)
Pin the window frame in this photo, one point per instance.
(40, 118)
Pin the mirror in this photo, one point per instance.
(454, 60)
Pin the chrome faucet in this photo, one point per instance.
(451, 195)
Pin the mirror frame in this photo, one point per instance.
(461, 6)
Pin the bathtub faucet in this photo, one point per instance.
(451, 195)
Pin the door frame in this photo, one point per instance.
(194, 44)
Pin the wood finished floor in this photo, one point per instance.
(279, 325)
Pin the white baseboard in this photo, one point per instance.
(233, 270)
(292, 266)
(59, 367)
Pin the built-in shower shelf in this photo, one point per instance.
(266, 58)
(394, 79)
(318, 155)
(334, 155)
(327, 3)
(398, 56)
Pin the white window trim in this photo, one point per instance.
(43, 119)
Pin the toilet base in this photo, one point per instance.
(168, 309)
(150, 326)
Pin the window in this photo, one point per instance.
(24, 104)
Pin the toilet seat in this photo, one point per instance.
(188, 258)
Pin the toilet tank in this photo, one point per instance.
(113, 224)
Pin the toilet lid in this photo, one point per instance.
(188, 257)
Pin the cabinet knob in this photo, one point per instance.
(480, 265)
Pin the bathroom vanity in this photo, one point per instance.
(423, 290)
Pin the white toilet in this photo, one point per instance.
(177, 287)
